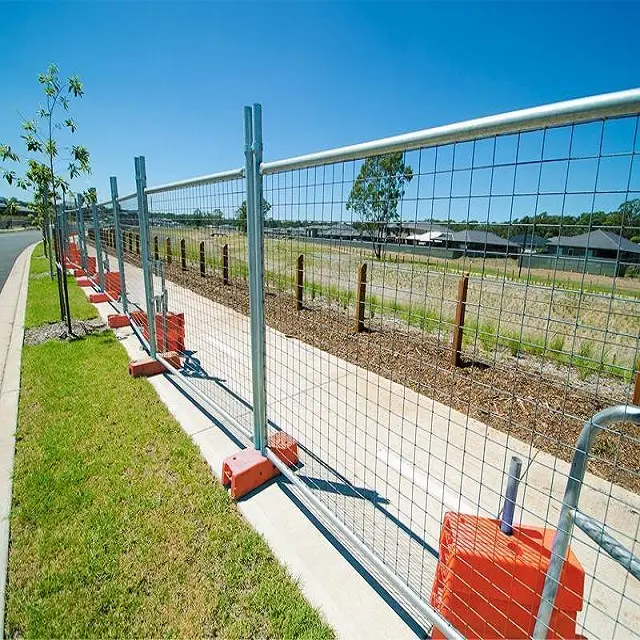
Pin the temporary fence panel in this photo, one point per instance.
(393, 435)
(432, 312)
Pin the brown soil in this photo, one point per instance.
(513, 397)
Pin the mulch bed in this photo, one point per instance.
(510, 395)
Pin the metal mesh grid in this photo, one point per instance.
(194, 233)
(392, 434)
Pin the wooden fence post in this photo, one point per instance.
(202, 260)
(300, 282)
(183, 255)
(361, 296)
(458, 327)
(225, 264)
(137, 244)
(168, 256)
(130, 241)
(636, 390)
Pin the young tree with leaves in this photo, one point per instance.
(376, 194)
(44, 176)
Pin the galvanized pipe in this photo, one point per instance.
(591, 428)
(145, 259)
(597, 532)
(223, 176)
(98, 243)
(253, 156)
(609, 105)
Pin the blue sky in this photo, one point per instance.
(168, 80)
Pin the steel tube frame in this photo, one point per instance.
(223, 176)
(113, 181)
(143, 217)
(82, 240)
(253, 158)
(609, 105)
(562, 538)
(98, 243)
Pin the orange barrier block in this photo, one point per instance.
(489, 585)
(249, 469)
(97, 298)
(84, 282)
(175, 330)
(117, 320)
(79, 273)
(149, 367)
(112, 284)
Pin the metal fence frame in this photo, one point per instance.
(571, 112)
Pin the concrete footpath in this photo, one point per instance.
(13, 298)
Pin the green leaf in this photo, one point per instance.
(70, 124)
(75, 86)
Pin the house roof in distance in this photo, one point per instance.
(597, 239)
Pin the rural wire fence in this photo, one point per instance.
(435, 304)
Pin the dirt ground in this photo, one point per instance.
(518, 397)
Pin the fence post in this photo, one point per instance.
(145, 259)
(253, 159)
(156, 252)
(168, 251)
(300, 282)
(183, 255)
(130, 241)
(636, 390)
(225, 264)
(137, 244)
(203, 265)
(98, 242)
(118, 238)
(361, 296)
(81, 234)
(458, 327)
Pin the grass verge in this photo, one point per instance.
(42, 305)
(117, 526)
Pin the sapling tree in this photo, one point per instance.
(50, 166)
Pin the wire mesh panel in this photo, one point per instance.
(432, 313)
(198, 235)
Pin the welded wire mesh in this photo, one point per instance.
(196, 234)
(393, 432)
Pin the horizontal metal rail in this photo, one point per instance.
(223, 176)
(127, 196)
(381, 568)
(609, 105)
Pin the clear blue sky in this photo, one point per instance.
(168, 80)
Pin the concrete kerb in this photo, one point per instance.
(351, 604)
(13, 299)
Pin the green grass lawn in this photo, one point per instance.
(43, 306)
(118, 527)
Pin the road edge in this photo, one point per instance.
(13, 302)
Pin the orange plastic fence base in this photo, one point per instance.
(249, 469)
(488, 585)
(149, 367)
(79, 273)
(84, 282)
(97, 298)
(117, 320)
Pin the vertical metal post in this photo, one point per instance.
(118, 239)
(82, 240)
(145, 259)
(98, 242)
(253, 159)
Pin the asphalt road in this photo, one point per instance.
(11, 246)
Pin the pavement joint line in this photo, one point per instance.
(13, 295)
